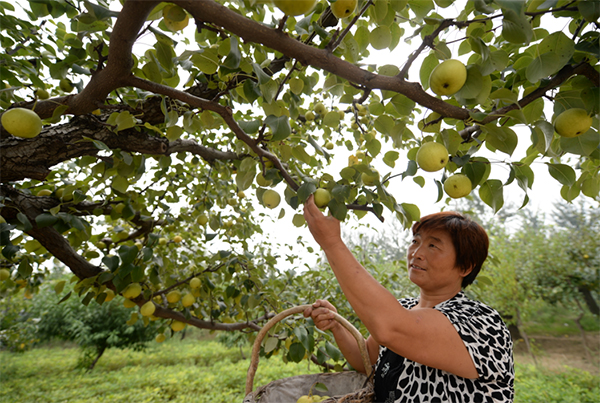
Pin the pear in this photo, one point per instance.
(448, 77)
(573, 122)
(457, 186)
(432, 156)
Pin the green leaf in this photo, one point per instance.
(25, 221)
(165, 54)
(429, 63)
(127, 254)
(374, 147)
(270, 344)
(584, 144)
(250, 127)
(491, 193)
(501, 138)
(384, 124)
(280, 127)
(234, 57)
(332, 119)
(296, 352)
(338, 209)
(152, 72)
(569, 193)
(305, 190)
(542, 66)
(263, 77)
(542, 134)
(590, 10)
(111, 262)
(515, 26)
(246, 173)
(58, 287)
(45, 220)
(207, 61)
(120, 184)
(562, 173)
(390, 158)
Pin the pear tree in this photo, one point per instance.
(172, 131)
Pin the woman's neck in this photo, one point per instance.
(430, 299)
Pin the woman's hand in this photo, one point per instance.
(321, 313)
(325, 229)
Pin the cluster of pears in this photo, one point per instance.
(432, 157)
(311, 398)
(339, 8)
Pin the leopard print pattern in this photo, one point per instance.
(399, 380)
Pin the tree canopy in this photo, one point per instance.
(167, 128)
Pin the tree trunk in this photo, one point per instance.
(524, 336)
(589, 300)
(588, 354)
(100, 352)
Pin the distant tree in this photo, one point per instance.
(93, 327)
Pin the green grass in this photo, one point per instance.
(204, 371)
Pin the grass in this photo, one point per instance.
(205, 371)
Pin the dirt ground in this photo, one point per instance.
(556, 352)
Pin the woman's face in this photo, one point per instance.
(431, 260)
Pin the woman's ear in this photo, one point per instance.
(465, 273)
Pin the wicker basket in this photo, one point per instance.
(343, 387)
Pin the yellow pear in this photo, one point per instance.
(295, 7)
(370, 178)
(322, 197)
(573, 122)
(176, 326)
(148, 309)
(110, 294)
(271, 198)
(4, 274)
(21, 122)
(174, 296)
(457, 186)
(343, 8)
(432, 156)
(188, 300)
(132, 290)
(448, 77)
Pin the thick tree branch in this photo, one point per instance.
(48, 237)
(210, 11)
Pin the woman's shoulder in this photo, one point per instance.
(463, 308)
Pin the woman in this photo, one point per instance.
(439, 347)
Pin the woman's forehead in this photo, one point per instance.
(438, 234)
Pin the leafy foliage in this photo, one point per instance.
(164, 126)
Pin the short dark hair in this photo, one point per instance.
(470, 240)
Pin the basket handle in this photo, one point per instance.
(362, 346)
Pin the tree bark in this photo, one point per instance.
(589, 300)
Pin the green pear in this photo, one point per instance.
(448, 77)
(322, 197)
(457, 186)
(271, 198)
(21, 122)
(432, 156)
(343, 8)
(573, 122)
